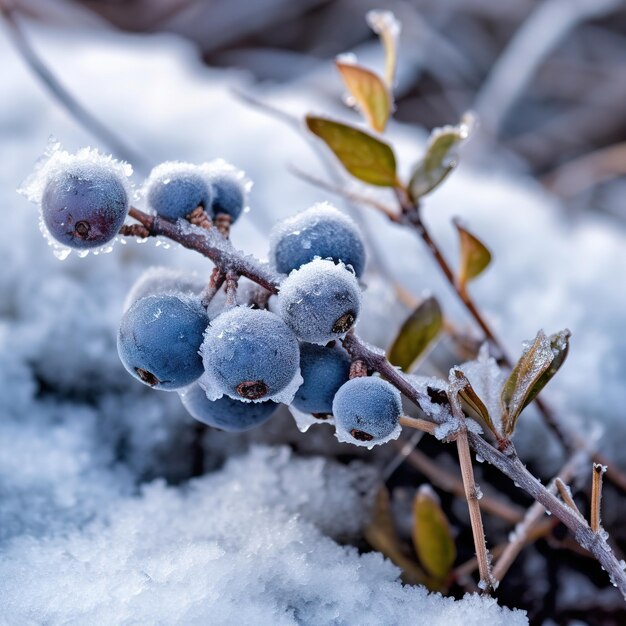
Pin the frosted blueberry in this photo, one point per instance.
(324, 370)
(173, 190)
(159, 338)
(161, 280)
(226, 413)
(84, 204)
(320, 301)
(367, 410)
(250, 354)
(229, 193)
(320, 231)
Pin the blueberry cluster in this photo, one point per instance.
(232, 359)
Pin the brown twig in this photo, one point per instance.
(418, 424)
(566, 494)
(446, 480)
(472, 496)
(596, 496)
(231, 288)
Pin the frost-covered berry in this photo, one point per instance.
(174, 189)
(161, 280)
(320, 301)
(159, 338)
(324, 370)
(229, 192)
(84, 203)
(367, 411)
(320, 231)
(226, 413)
(249, 354)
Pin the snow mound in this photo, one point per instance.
(243, 545)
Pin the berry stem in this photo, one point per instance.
(211, 244)
(596, 496)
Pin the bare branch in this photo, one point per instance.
(596, 496)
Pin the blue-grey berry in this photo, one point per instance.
(173, 190)
(320, 231)
(250, 354)
(324, 370)
(320, 301)
(226, 413)
(367, 409)
(159, 339)
(229, 193)
(84, 204)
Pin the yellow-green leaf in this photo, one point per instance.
(534, 362)
(381, 534)
(432, 536)
(475, 257)
(472, 402)
(440, 158)
(387, 27)
(369, 92)
(418, 330)
(367, 158)
(559, 343)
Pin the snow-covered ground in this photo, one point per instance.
(89, 530)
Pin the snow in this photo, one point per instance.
(90, 530)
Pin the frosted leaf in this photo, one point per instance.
(535, 360)
(304, 421)
(487, 379)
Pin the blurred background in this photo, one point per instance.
(547, 78)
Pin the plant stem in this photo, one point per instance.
(596, 496)
(418, 424)
(211, 244)
(531, 519)
(472, 497)
(446, 480)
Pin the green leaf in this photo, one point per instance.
(475, 257)
(381, 534)
(440, 157)
(559, 343)
(534, 362)
(432, 536)
(471, 402)
(367, 158)
(418, 330)
(369, 92)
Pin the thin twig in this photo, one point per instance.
(215, 283)
(472, 495)
(566, 494)
(231, 288)
(344, 193)
(91, 123)
(532, 517)
(446, 480)
(596, 496)
(418, 424)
